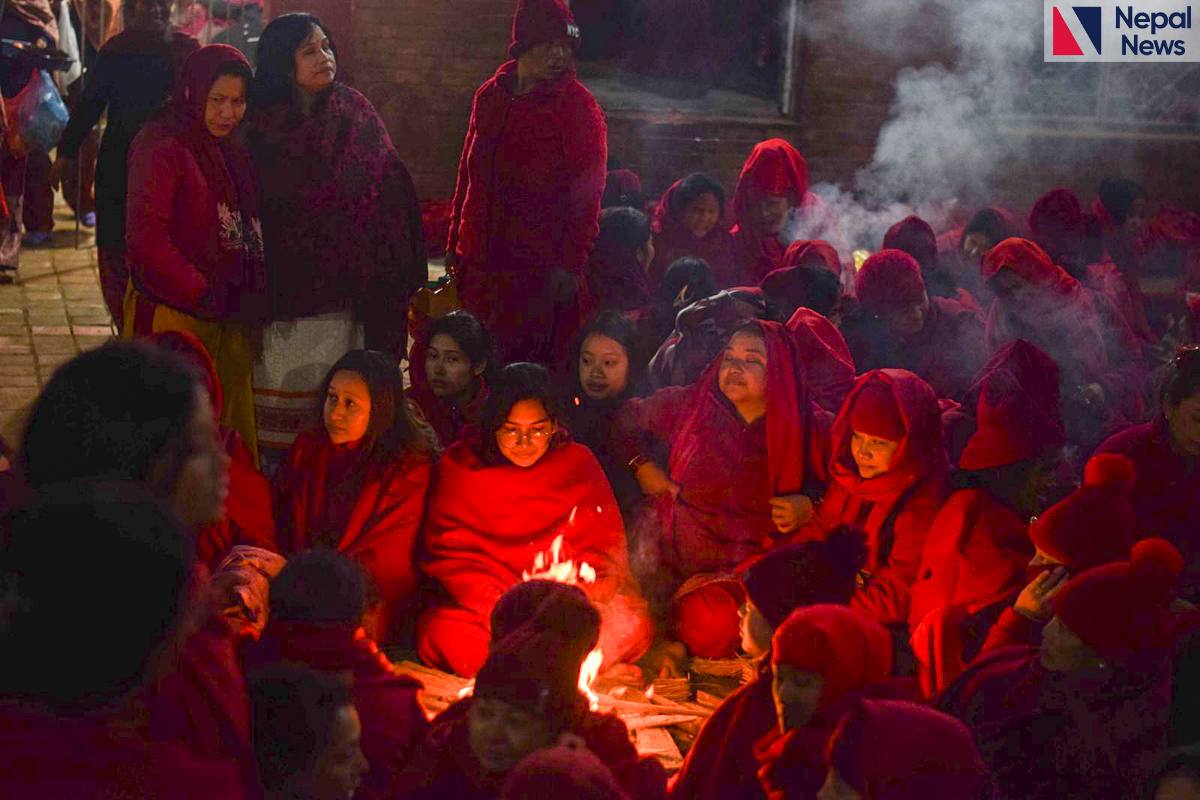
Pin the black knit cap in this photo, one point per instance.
(806, 574)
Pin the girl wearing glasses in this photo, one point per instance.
(501, 497)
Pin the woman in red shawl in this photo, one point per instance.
(1087, 714)
(451, 369)
(896, 750)
(341, 223)
(899, 325)
(1100, 360)
(358, 482)
(616, 271)
(822, 658)
(747, 455)
(824, 359)
(248, 515)
(771, 199)
(721, 764)
(192, 230)
(500, 500)
(889, 470)
(1165, 453)
(529, 188)
(689, 222)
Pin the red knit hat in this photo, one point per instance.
(913, 236)
(1095, 524)
(876, 413)
(540, 21)
(850, 650)
(888, 281)
(562, 771)
(896, 750)
(1120, 610)
(706, 618)
(1017, 410)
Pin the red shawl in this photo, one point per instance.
(774, 168)
(813, 253)
(486, 524)
(823, 358)
(340, 212)
(722, 763)
(673, 241)
(232, 255)
(322, 496)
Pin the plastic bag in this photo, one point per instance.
(40, 115)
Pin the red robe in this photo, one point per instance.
(485, 526)
(529, 185)
(975, 555)
(673, 241)
(1095, 733)
(908, 496)
(1166, 495)
(393, 723)
(321, 499)
(823, 359)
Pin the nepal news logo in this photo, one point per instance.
(1149, 31)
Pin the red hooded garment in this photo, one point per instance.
(485, 525)
(323, 497)
(248, 514)
(529, 185)
(1065, 320)
(673, 241)
(824, 359)
(853, 653)
(896, 508)
(393, 722)
(774, 169)
(813, 253)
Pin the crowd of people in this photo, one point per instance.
(945, 499)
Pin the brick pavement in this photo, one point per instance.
(53, 311)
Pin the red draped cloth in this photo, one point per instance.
(393, 722)
(895, 508)
(341, 216)
(673, 241)
(824, 360)
(485, 525)
(326, 495)
(525, 212)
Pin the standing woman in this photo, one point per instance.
(192, 226)
(131, 79)
(341, 222)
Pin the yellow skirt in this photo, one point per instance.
(230, 347)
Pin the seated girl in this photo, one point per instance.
(747, 454)
(499, 501)
(689, 222)
(451, 368)
(616, 271)
(889, 471)
(358, 482)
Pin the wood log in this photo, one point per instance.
(656, 721)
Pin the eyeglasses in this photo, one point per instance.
(511, 437)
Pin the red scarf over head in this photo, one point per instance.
(773, 169)
(813, 253)
(824, 359)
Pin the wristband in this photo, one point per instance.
(636, 463)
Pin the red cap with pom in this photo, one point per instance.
(1120, 610)
(888, 281)
(1095, 524)
(539, 21)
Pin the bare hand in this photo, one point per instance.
(451, 262)
(61, 167)
(790, 511)
(1034, 600)
(655, 481)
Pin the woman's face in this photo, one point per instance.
(203, 481)
(315, 63)
(796, 694)
(701, 215)
(603, 367)
(339, 768)
(907, 322)
(226, 105)
(1062, 650)
(756, 630)
(1183, 420)
(743, 372)
(837, 789)
(773, 213)
(500, 734)
(347, 407)
(447, 367)
(525, 435)
(973, 248)
(872, 454)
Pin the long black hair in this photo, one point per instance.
(469, 334)
(621, 330)
(275, 78)
(693, 186)
(516, 382)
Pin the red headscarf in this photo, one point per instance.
(1056, 223)
(813, 253)
(824, 359)
(774, 168)
(848, 649)
(227, 170)
(914, 236)
(889, 280)
(188, 347)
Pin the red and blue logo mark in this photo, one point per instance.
(1065, 43)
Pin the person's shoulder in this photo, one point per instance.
(1133, 442)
